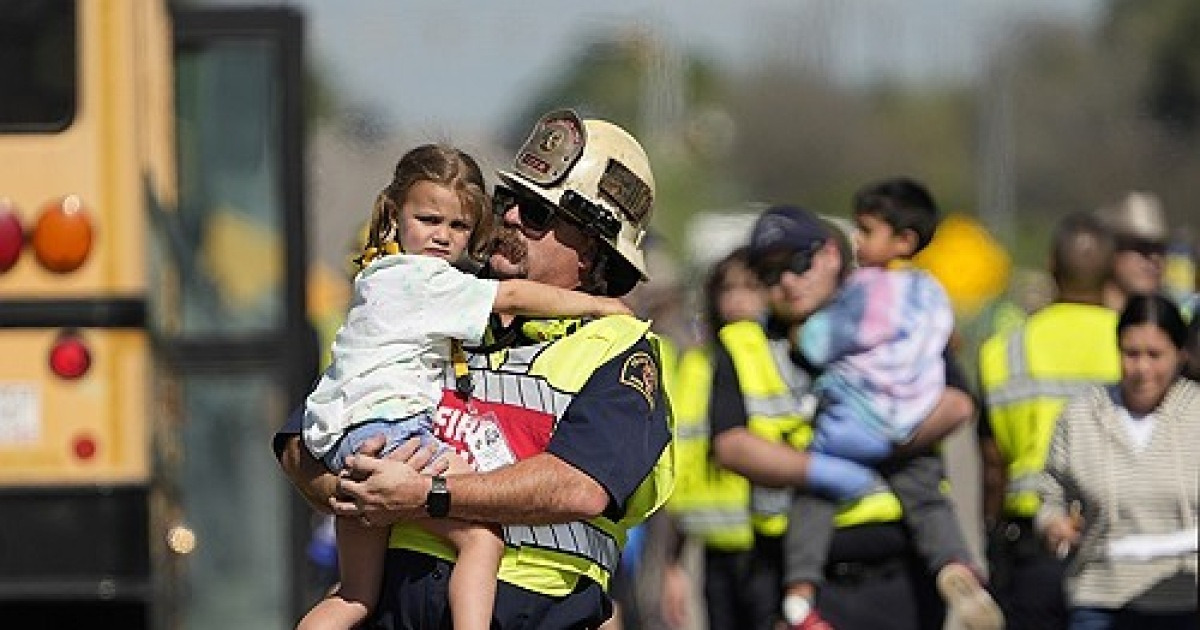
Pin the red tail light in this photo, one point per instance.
(70, 357)
(85, 447)
(12, 237)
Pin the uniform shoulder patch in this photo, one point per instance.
(641, 373)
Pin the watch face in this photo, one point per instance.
(437, 502)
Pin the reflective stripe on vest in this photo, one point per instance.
(767, 377)
(711, 503)
(581, 539)
(549, 559)
(1029, 374)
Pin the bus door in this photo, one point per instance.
(227, 315)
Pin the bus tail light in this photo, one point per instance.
(62, 238)
(12, 237)
(70, 357)
(84, 446)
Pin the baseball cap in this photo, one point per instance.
(784, 238)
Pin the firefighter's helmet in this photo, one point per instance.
(599, 176)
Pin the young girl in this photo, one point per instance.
(410, 306)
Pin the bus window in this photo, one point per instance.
(37, 65)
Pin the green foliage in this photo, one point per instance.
(1087, 117)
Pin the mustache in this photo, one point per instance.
(508, 244)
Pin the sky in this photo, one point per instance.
(462, 67)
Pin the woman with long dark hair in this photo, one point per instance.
(1119, 489)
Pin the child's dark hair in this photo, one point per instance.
(902, 203)
(738, 258)
(439, 164)
(1157, 310)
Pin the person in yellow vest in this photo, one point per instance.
(1026, 377)
(760, 410)
(565, 421)
(710, 504)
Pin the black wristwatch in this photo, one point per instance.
(437, 502)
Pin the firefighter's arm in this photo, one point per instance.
(954, 409)
(538, 490)
(763, 462)
(735, 447)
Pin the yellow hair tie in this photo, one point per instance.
(462, 373)
(371, 253)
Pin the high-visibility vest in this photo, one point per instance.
(545, 377)
(710, 502)
(780, 408)
(1029, 373)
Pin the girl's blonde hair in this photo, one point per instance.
(438, 164)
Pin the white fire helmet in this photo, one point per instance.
(599, 176)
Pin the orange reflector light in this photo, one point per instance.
(62, 238)
(85, 447)
(12, 237)
(70, 358)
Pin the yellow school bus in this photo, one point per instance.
(152, 326)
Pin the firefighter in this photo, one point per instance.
(565, 419)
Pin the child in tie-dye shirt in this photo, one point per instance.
(879, 345)
(878, 348)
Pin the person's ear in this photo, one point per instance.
(907, 242)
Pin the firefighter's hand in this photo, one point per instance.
(381, 491)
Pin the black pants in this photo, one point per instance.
(415, 596)
(1025, 578)
(874, 578)
(733, 591)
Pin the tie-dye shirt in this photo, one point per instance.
(880, 343)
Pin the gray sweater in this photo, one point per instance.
(1125, 491)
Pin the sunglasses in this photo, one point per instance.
(536, 213)
(1143, 246)
(771, 268)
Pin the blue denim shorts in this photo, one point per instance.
(395, 432)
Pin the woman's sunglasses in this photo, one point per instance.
(770, 269)
(1143, 246)
(536, 213)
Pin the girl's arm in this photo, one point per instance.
(526, 297)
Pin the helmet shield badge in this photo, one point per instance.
(554, 146)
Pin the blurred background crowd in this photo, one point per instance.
(1014, 113)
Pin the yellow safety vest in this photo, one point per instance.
(550, 559)
(1029, 373)
(780, 408)
(710, 502)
